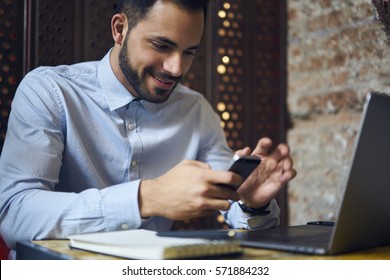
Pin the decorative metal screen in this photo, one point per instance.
(231, 58)
(69, 31)
(250, 78)
(11, 57)
(269, 78)
(51, 33)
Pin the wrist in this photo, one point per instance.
(144, 196)
(261, 211)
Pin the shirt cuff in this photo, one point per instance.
(236, 218)
(121, 207)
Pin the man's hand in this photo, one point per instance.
(188, 190)
(274, 171)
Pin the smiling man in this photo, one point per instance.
(120, 144)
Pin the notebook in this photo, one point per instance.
(363, 219)
(147, 245)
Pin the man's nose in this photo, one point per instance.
(173, 65)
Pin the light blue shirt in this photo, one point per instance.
(78, 144)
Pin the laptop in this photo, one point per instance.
(363, 219)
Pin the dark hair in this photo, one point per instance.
(136, 10)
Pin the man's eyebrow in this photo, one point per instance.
(173, 44)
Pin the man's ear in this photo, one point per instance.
(119, 28)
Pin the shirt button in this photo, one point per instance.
(134, 163)
(124, 226)
(130, 127)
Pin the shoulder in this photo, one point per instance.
(64, 72)
(57, 81)
(45, 86)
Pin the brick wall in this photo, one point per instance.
(337, 53)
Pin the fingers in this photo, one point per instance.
(279, 158)
(282, 155)
(218, 190)
(224, 193)
(279, 161)
(280, 152)
(288, 176)
(213, 204)
(186, 191)
(244, 152)
(215, 188)
(222, 185)
(265, 144)
(228, 178)
(263, 147)
(216, 184)
(287, 164)
(212, 198)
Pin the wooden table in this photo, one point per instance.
(59, 249)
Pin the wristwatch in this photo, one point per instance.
(254, 211)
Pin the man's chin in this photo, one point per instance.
(158, 96)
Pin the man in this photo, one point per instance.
(120, 144)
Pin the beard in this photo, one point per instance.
(138, 81)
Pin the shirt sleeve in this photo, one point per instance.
(30, 206)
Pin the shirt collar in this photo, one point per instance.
(114, 91)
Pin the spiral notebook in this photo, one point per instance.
(145, 244)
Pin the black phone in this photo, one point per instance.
(243, 165)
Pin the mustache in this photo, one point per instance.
(165, 76)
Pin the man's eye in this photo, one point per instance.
(160, 46)
(191, 53)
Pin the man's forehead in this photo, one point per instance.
(174, 24)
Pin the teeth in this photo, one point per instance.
(163, 81)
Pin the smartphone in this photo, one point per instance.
(243, 165)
